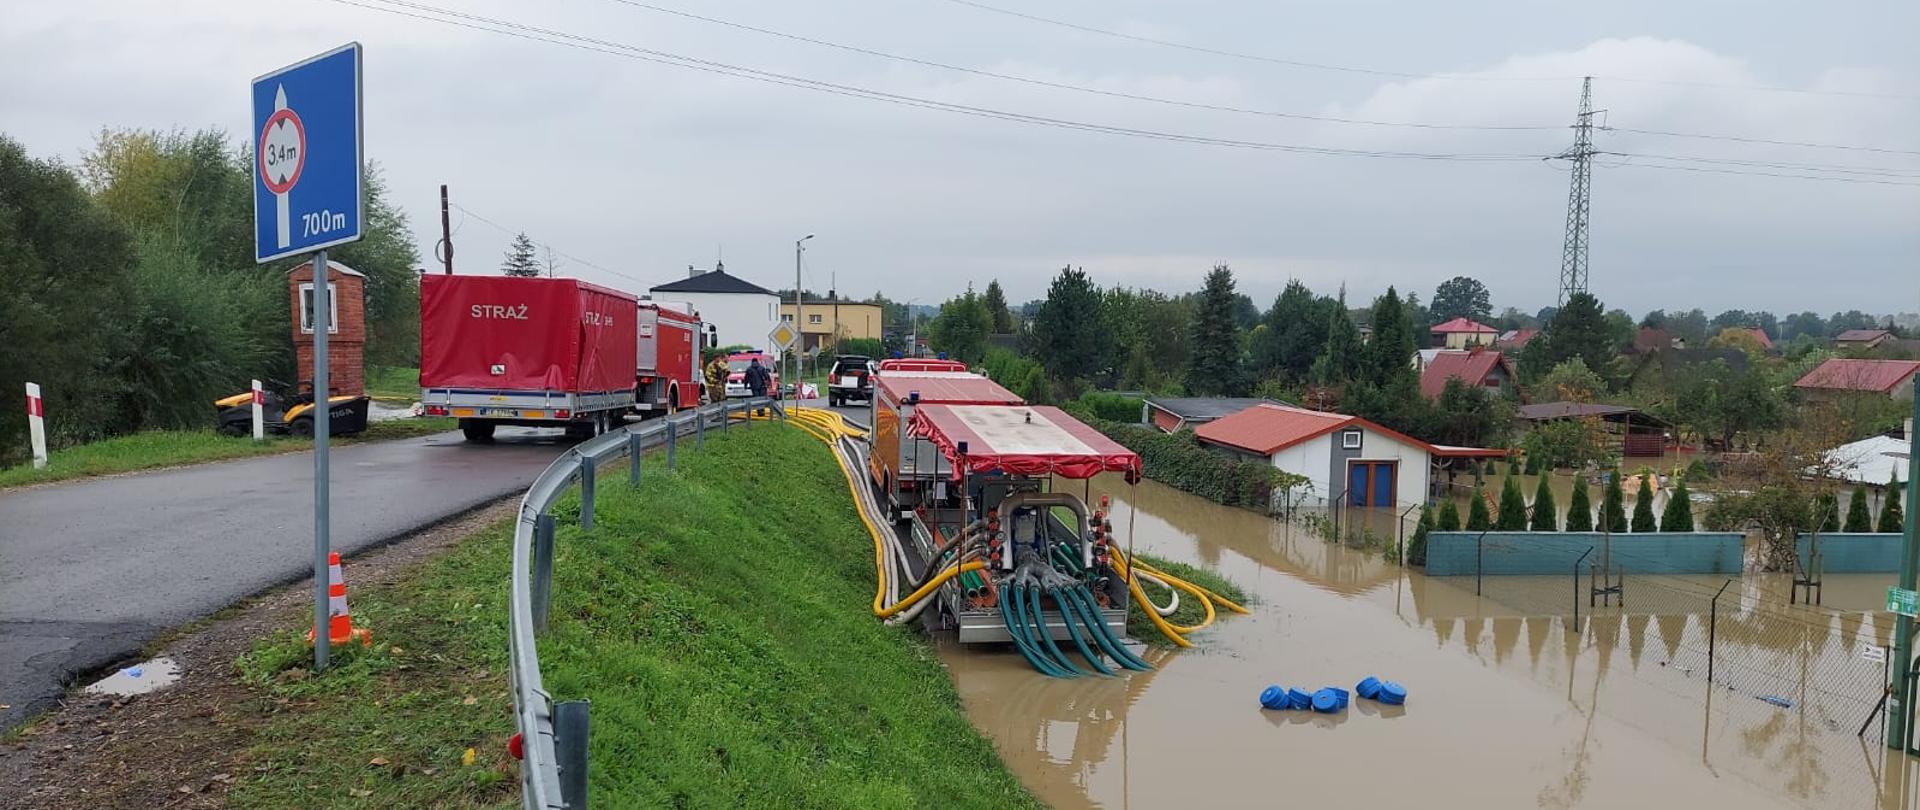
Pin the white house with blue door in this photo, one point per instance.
(1344, 458)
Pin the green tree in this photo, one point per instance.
(1449, 517)
(1643, 507)
(1477, 518)
(961, 328)
(1461, 297)
(1891, 520)
(63, 290)
(1826, 513)
(1859, 516)
(1417, 547)
(1578, 329)
(1546, 515)
(521, 262)
(1571, 381)
(996, 300)
(1069, 334)
(1294, 329)
(1339, 356)
(1678, 516)
(1579, 507)
(1513, 507)
(1036, 388)
(1613, 513)
(1387, 358)
(1216, 367)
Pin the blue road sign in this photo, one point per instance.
(308, 187)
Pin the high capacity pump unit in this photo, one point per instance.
(1022, 562)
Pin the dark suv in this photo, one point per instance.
(850, 379)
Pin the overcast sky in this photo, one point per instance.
(645, 168)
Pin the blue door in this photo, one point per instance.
(1370, 483)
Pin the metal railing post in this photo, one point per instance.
(633, 459)
(1576, 585)
(588, 469)
(673, 434)
(570, 728)
(726, 416)
(543, 528)
(699, 431)
(1713, 632)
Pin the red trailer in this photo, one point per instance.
(545, 352)
(669, 361)
(899, 465)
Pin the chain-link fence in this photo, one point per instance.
(1799, 687)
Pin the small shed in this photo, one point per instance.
(1344, 458)
(1173, 414)
(1636, 434)
(346, 327)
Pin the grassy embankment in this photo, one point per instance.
(718, 619)
(398, 386)
(1190, 612)
(169, 448)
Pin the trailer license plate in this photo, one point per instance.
(508, 412)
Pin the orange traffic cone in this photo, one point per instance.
(340, 629)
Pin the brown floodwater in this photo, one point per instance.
(1508, 706)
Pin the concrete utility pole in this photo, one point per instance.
(1899, 710)
(799, 314)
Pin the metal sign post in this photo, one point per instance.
(1900, 712)
(308, 195)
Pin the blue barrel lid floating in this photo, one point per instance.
(1273, 697)
(1325, 701)
(1341, 697)
(1392, 694)
(1299, 699)
(1369, 688)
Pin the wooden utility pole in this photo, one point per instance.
(446, 233)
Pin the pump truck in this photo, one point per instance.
(1013, 561)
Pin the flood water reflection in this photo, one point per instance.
(1512, 704)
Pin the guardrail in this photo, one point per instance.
(553, 736)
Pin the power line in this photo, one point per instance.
(1082, 88)
(1770, 142)
(1403, 74)
(610, 47)
(627, 51)
(546, 245)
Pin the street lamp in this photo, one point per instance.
(799, 314)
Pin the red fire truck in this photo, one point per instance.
(550, 352)
(669, 361)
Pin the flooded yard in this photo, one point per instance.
(1511, 703)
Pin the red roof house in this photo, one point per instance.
(1516, 338)
(1476, 367)
(1344, 458)
(1893, 377)
(1460, 333)
(1760, 337)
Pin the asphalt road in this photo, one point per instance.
(92, 570)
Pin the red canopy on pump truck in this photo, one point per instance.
(1021, 439)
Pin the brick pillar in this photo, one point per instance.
(346, 373)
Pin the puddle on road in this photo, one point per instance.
(1507, 707)
(138, 679)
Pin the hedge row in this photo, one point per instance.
(1180, 461)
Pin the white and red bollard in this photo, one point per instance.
(259, 413)
(37, 426)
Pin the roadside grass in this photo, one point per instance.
(400, 385)
(718, 619)
(1190, 611)
(170, 448)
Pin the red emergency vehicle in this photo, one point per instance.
(903, 468)
(550, 352)
(669, 361)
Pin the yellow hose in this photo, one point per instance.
(1165, 628)
(1121, 567)
(1210, 595)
